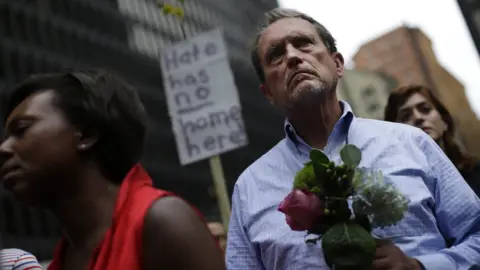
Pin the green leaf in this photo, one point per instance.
(316, 190)
(345, 179)
(319, 157)
(348, 246)
(305, 178)
(351, 155)
(321, 175)
(363, 221)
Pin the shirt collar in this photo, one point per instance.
(336, 139)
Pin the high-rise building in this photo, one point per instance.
(406, 54)
(471, 12)
(126, 37)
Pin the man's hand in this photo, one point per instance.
(390, 257)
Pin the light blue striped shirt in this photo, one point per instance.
(441, 228)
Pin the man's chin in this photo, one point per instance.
(308, 94)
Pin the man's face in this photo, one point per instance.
(297, 65)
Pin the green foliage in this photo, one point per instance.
(382, 202)
(351, 155)
(318, 157)
(347, 242)
(305, 178)
(347, 246)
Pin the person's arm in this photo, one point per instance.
(21, 259)
(457, 210)
(240, 254)
(27, 261)
(174, 237)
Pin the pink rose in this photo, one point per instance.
(302, 209)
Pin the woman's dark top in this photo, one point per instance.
(472, 177)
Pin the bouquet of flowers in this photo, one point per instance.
(319, 205)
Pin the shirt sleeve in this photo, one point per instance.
(240, 253)
(457, 210)
(17, 259)
(26, 261)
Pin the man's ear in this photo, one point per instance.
(339, 63)
(267, 93)
(85, 140)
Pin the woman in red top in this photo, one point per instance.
(72, 144)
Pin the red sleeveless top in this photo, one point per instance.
(122, 245)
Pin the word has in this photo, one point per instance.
(190, 91)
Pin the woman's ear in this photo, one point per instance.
(85, 140)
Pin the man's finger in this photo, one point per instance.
(381, 264)
(383, 242)
(382, 252)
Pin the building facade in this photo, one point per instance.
(126, 37)
(471, 12)
(406, 54)
(366, 91)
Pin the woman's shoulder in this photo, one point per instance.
(474, 172)
(472, 177)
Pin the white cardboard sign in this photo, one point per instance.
(202, 98)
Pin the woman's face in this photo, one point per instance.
(39, 146)
(418, 111)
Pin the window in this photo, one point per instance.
(368, 93)
(476, 19)
(372, 108)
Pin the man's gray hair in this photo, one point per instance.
(283, 13)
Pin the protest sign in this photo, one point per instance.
(202, 98)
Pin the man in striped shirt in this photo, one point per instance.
(17, 259)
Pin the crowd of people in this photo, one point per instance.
(73, 142)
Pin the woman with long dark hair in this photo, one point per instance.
(73, 143)
(416, 105)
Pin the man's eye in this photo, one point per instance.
(274, 54)
(302, 42)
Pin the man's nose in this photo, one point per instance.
(293, 56)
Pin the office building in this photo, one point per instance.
(471, 12)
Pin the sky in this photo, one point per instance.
(354, 22)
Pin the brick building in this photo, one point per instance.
(406, 54)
